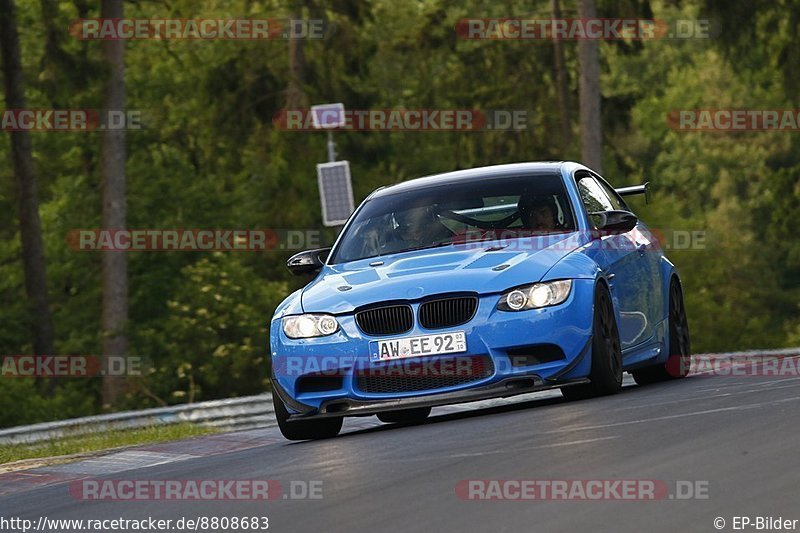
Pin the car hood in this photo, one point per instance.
(484, 268)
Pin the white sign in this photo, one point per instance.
(328, 116)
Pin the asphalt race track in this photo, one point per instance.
(737, 436)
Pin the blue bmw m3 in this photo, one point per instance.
(476, 284)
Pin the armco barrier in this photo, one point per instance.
(235, 413)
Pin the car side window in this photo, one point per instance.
(593, 196)
(613, 197)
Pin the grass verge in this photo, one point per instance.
(100, 441)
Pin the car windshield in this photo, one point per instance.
(453, 212)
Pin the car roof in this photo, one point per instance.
(479, 173)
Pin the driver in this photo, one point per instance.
(538, 213)
(420, 226)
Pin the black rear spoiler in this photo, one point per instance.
(636, 189)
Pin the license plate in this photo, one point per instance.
(441, 343)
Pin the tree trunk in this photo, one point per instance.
(56, 64)
(562, 83)
(41, 321)
(295, 94)
(591, 126)
(115, 264)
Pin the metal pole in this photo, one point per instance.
(331, 148)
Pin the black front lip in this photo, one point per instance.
(349, 407)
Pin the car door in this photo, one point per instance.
(649, 287)
(623, 264)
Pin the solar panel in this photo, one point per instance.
(335, 192)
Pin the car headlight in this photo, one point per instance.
(535, 296)
(306, 326)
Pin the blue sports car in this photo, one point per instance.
(476, 284)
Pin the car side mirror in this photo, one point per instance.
(307, 262)
(614, 222)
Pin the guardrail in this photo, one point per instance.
(236, 413)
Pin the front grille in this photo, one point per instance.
(388, 320)
(412, 376)
(447, 312)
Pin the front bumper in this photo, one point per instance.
(348, 407)
(490, 334)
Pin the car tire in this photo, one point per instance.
(321, 428)
(405, 416)
(680, 359)
(606, 374)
